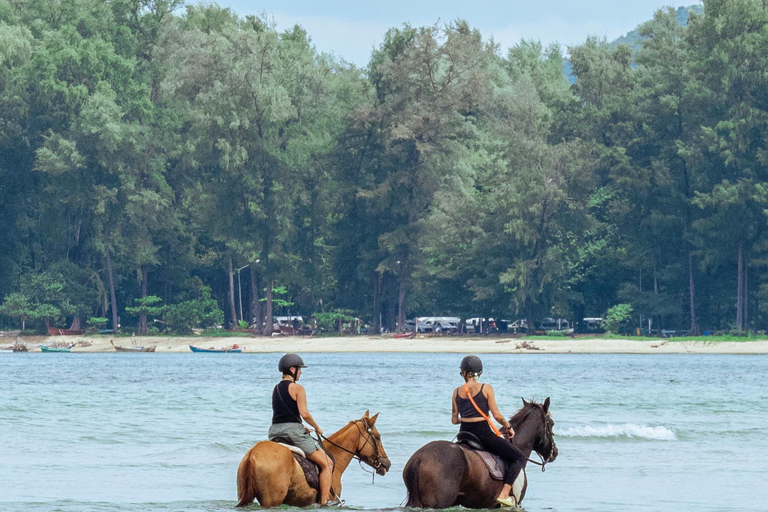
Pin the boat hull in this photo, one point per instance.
(215, 350)
(55, 331)
(134, 349)
(43, 348)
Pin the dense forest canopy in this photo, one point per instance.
(174, 162)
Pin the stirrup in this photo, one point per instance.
(507, 502)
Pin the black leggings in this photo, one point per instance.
(511, 455)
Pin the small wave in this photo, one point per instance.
(631, 430)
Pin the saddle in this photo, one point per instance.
(311, 470)
(494, 463)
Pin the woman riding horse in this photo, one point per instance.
(289, 407)
(471, 404)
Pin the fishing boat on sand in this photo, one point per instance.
(234, 349)
(43, 348)
(55, 331)
(405, 335)
(132, 349)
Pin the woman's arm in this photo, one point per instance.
(491, 396)
(454, 409)
(301, 402)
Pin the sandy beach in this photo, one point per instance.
(386, 343)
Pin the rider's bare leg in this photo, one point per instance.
(320, 458)
(504, 494)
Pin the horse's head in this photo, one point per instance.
(536, 420)
(369, 448)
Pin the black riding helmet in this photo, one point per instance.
(288, 361)
(471, 364)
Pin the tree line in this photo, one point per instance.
(185, 164)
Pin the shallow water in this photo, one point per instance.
(165, 432)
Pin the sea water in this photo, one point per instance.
(165, 432)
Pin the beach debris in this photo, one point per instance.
(526, 345)
(19, 346)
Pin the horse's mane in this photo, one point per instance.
(524, 411)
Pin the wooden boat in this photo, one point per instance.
(406, 335)
(232, 350)
(53, 349)
(55, 331)
(132, 349)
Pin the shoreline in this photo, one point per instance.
(388, 344)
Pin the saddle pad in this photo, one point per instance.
(295, 449)
(311, 471)
(494, 463)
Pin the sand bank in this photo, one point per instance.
(386, 343)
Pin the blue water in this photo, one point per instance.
(165, 432)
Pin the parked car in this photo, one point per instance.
(554, 324)
(480, 325)
(592, 325)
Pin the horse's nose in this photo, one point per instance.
(385, 465)
(554, 453)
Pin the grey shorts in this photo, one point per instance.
(296, 433)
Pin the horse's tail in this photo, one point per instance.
(411, 478)
(247, 478)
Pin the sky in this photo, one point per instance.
(350, 29)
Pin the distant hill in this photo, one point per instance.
(633, 39)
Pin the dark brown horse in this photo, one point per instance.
(442, 474)
(270, 474)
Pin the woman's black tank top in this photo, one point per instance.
(284, 408)
(467, 410)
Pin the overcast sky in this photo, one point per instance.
(352, 28)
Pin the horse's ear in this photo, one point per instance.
(546, 405)
(372, 420)
(524, 402)
(365, 416)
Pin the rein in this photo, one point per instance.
(542, 463)
(375, 463)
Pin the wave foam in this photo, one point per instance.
(632, 430)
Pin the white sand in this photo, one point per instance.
(386, 343)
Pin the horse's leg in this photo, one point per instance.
(433, 475)
(478, 489)
(264, 474)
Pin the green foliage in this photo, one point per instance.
(279, 301)
(94, 324)
(143, 145)
(618, 319)
(17, 305)
(149, 305)
(203, 312)
(333, 320)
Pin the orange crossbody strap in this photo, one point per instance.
(485, 416)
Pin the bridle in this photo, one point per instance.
(375, 462)
(551, 438)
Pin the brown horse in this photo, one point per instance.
(442, 474)
(270, 474)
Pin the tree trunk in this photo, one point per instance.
(143, 316)
(400, 301)
(740, 288)
(232, 310)
(391, 316)
(268, 313)
(745, 304)
(377, 303)
(255, 304)
(694, 325)
(112, 296)
(530, 323)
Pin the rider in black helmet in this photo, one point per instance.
(289, 407)
(465, 412)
